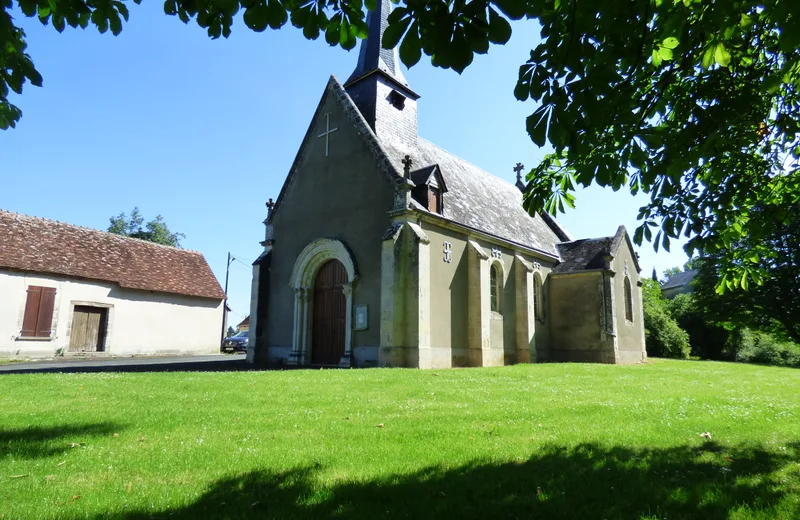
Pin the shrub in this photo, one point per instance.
(760, 347)
(663, 336)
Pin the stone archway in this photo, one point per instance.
(304, 276)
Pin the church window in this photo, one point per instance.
(538, 300)
(496, 283)
(628, 300)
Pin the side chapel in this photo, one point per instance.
(383, 249)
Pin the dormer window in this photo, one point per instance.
(429, 188)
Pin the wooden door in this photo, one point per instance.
(88, 329)
(327, 335)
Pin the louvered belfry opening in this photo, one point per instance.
(329, 314)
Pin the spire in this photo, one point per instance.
(378, 88)
(372, 56)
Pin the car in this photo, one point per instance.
(235, 343)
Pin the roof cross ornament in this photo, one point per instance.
(328, 131)
(407, 162)
(518, 169)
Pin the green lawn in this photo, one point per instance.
(545, 441)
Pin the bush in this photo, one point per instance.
(663, 336)
(760, 347)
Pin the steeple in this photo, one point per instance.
(372, 56)
(377, 85)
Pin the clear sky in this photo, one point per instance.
(203, 132)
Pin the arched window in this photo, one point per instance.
(538, 300)
(496, 286)
(628, 300)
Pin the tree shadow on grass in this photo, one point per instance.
(38, 442)
(587, 481)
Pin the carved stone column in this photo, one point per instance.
(347, 358)
(300, 329)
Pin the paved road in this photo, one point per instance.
(209, 363)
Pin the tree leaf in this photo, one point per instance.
(393, 33)
(256, 17)
(721, 55)
(537, 126)
(499, 31)
(410, 49)
(708, 57)
(670, 43)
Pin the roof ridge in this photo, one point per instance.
(76, 226)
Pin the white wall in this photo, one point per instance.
(139, 322)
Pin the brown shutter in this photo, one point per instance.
(45, 321)
(31, 311)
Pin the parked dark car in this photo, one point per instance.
(235, 343)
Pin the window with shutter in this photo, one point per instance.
(39, 305)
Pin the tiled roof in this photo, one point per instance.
(478, 199)
(45, 246)
(680, 279)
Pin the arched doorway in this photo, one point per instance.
(329, 315)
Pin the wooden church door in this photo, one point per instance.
(327, 336)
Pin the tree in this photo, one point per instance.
(773, 306)
(662, 335)
(154, 231)
(694, 103)
(231, 331)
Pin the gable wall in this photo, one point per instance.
(344, 196)
(139, 322)
(630, 334)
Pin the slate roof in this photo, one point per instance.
(580, 255)
(680, 279)
(40, 245)
(476, 198)
(371, 55)
(588, 253)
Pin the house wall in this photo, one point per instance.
(139, 322)
(343, 196)
(630, 334)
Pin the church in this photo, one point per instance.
(384, 250)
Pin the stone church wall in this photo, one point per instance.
(630, 334)
(451, 300)
(342, 196)
(576, 316)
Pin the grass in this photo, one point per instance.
(544, 441)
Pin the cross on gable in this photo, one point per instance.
(518, 168)
(328, 131)
(407, 162)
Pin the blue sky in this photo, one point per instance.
(203, 132)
